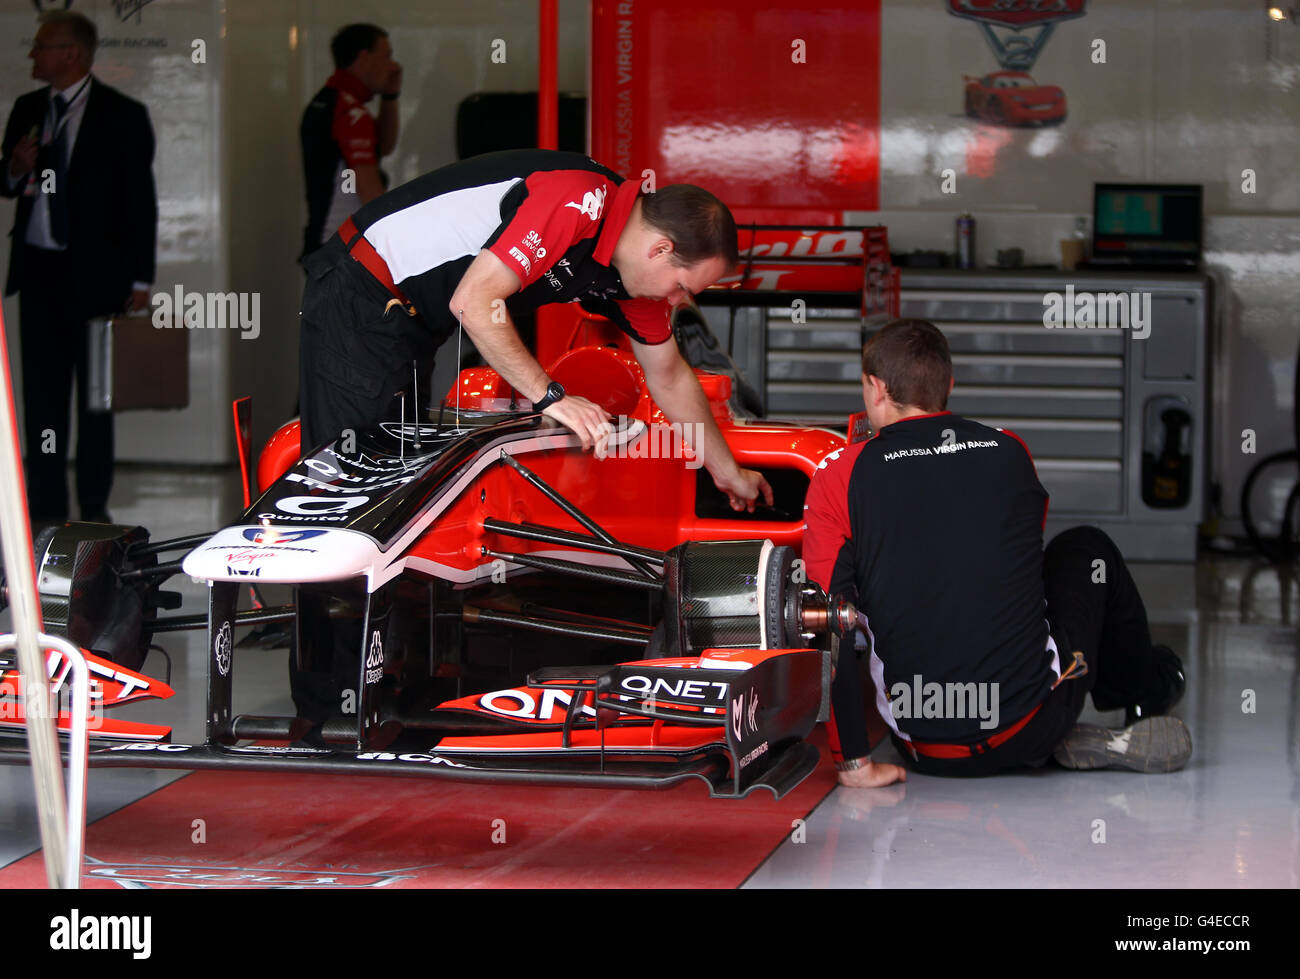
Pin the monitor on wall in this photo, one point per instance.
(1147, 224)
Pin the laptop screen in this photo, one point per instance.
(1147, 222)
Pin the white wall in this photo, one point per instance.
(228, 166)
(150, 57)
(277, 58)
(1195, 91)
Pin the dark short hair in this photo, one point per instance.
(913, 359)
(350, 41)
(79, 27)
(698, 224)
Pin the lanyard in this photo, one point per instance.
(59, 124)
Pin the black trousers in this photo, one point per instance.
(54, 336)
(357, 352)
(357, 349)
(1094, 608)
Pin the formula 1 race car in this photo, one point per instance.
(1013, 98)
(496, 604)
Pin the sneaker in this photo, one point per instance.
(1171, 670)
(1156, 744)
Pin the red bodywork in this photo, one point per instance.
(543, 707)
(649, 502)
(112, 685)
(1013, 98)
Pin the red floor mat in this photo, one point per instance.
(276, 830)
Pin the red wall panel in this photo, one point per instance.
(721, 93)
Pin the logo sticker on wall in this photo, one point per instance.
(1016, 31)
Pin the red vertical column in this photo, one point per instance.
(548, 124)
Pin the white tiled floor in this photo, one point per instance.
(1230, 819)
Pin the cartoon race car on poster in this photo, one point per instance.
(509, 607)
(1013, 98)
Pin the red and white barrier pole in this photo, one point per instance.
(20, 575)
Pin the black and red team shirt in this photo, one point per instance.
(934, 528)
(336, 133)
(553, 218)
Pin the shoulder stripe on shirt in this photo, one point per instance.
(438, 230)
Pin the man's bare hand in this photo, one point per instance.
(393, 83)
(743, 489)
(873, 775)
(24, 156)
(589, 421)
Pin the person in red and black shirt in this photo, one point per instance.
(982, 646)
(488, 238)
(338, 133)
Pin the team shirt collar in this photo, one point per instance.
(913, 418)
(616, 215)
(345, 81)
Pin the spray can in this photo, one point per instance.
(965, 241)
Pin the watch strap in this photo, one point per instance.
(554, 392)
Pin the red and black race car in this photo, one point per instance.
(510, 608)
(1013, 98)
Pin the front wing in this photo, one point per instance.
(739, 729)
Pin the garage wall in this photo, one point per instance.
(277, 59)
(151, 56)
(228, 166)
(1196, 91)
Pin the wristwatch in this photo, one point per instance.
(554, 392)
(852, 764)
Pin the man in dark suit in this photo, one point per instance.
(78, 155)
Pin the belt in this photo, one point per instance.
(970, 750)
(364, 252)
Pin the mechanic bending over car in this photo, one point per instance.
(982, 646)
(485, 239)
